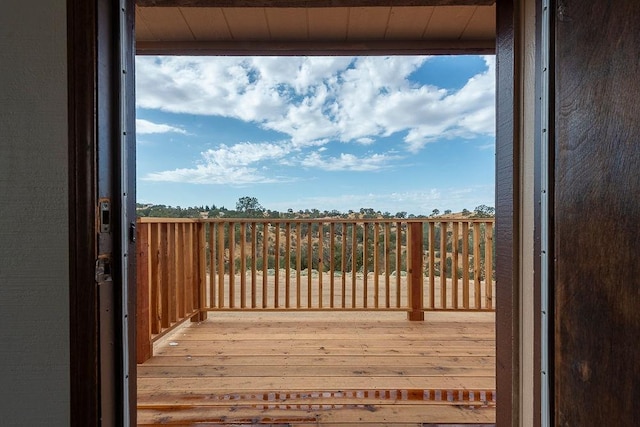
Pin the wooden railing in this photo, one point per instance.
(170, 276)
(187, 267)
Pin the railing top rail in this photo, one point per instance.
(312, 220)
(146, 219)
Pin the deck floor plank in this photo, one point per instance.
(347, 414)
(322, 369)
(310, 370)
(324, 360)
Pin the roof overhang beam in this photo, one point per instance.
(441, 47)
(310, 3)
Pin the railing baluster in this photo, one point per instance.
(171, 266)
(287, 265)
(189, 268)
(376, 260)
(365, 267)
(221, 278)
(465, 265)
(387, 263)
(398, 262)
(320, 263)
(154, 277)
(232, 264)
(344, 265)
(254, 262)
(432, 264)
(265, 263)
(194, 266)
(332, 254)
(243, 265)
(276, 277)
(443, 264)
(354, 260)
(298, 263)
(476, 265)
(309, 264)
(180, 271)
(164, 277)
(212, 265)
(201, 275)
(454, 264)
(488, 263)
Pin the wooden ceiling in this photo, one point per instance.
(294, 27)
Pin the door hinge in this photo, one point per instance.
(132, 232)
(104, 206)
(103, 269)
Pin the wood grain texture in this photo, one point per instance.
(142, 320)
(597, 273)
(507, 215)
(366, 368)
(84, 348)
(304, 28)
(335, 48)
(241, 284)
(309, 3)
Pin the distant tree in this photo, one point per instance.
(401, 214)
(447, 212)
(368, 212)
(484, 211)
(435, 212)
(466, 212)
(272, 214)
(249, 206)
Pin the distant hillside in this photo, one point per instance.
(248, 207)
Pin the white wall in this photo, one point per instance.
(34, 255)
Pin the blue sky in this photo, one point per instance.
(399, 133)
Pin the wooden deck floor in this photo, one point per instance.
(322, 369)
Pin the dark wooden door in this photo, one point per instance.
(102, 210)
(597, 213)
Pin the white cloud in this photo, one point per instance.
(365, 141)
(249, 163)
(348, 162)
(419, 202)
(144, 127)
(317, 99)
(235, 165)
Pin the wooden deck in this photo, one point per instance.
(322, 369)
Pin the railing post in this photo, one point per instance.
(415, 267)
(201, 273)
(144, 346)
(165, 319)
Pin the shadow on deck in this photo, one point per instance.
(319, 368)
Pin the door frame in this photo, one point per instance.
(508, 191)
(88, 96)
(100, 60)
